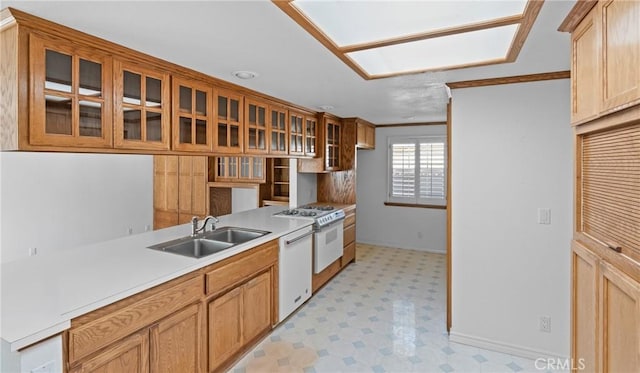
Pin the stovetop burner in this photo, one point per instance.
(321, 215)
(290, 212)
(320, 208)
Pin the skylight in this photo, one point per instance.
(387, 38)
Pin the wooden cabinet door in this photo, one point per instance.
(192, 189)
(370, 137)
(256, 306)
(333, 137)
(279, 130)
(70, 95)
(130, 355)
(229, 123)
(585, 49)
(142, 107)
(620, 37)
(256, 127)
(176, 342)
(192, 115)
(310, 135)
(225, 327)
(620, 321)
(584, 307)
(296, 133)
(165, 191)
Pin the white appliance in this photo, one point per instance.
(328, 245)
(294, 271)
(328, 237)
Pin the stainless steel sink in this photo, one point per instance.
(234, 235)
(192, 247)
(210, 242)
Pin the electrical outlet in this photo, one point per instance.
(544, 216)
(33, 251)
(130, 230)
(45, 368)
(147, 228)
(545, 324)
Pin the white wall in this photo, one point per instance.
(512, 154)
(403, 227)
(46, 356)
(303, 187)
(54, 201)
(243, 199)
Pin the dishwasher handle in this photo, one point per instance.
(289, 242)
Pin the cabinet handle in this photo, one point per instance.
(614, 246)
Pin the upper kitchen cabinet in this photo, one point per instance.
(333, 137)
(296, 133)
(605, 41)
(366, 133)
(256, 126)
(192, 115)
(584, 70)
(229, 125)
(620, 66)
(142, 107)
(70, 95)
(330, 153)
(279, 130)
(310, 135)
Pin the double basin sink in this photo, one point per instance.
(208, 243)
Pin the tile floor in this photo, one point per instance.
(385, 313)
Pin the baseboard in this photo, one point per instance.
(506, 348)
(395, 245)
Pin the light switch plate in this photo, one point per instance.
(544, 216)
(45, 368)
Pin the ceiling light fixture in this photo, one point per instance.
(244, 74)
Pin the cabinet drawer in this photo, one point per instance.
(92, 336)
(349, 234)
(236, 269)
(349, 254)
(350, 219)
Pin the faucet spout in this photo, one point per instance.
(194, 224)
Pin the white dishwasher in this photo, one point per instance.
(294, 270)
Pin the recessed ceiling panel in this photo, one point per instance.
(357, 22)
(453, 50)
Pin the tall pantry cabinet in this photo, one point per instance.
(605, 113)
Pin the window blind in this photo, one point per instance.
(417, 170)
(611, 187)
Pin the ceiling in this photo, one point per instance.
(219, 37)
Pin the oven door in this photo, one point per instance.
(327, 245)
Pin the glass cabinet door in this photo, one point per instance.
(192, 113)
(71, 96)
(296, 133)
(256, 128)
(229, 126)
(279, 131)
(142, 108)
(310, 135)
(332, 143)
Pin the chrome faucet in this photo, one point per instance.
(194, 224)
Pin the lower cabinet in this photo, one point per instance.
(225, 327)
(605, 318)
(176, 342)
(130, 355)
(237, 317)
(224, 308)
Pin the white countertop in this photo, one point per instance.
(41, 294)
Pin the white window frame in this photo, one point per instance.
(415, 200)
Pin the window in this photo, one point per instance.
(417, 170)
